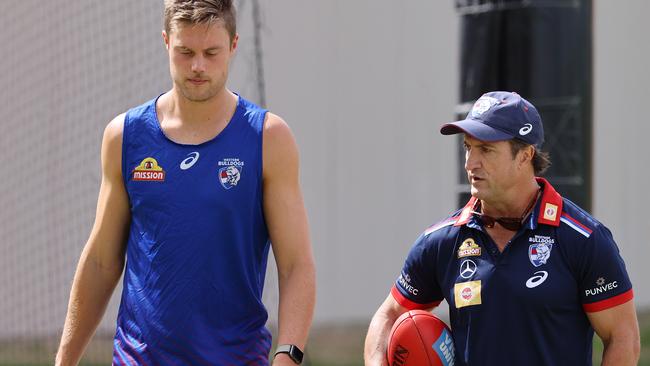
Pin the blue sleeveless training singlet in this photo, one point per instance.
(197, 245)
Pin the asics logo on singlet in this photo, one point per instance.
(190, 160)
(538, 278)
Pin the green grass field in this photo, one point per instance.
(328, 346)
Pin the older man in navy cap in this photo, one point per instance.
(527, 274)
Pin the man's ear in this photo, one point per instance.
(165, 37)
(527, 154)
(233, 43)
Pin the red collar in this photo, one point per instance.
(550, 208)
(466, 212)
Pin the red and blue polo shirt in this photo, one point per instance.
(526, 305)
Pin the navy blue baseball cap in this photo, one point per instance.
(498, 116)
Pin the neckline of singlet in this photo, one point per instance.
(224, 131)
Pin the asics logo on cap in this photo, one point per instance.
(190, 160)
(526, 129)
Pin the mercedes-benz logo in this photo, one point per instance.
(467, 268)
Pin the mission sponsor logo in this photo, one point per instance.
(469, 248)
(230, 170)
(602, 287)
(148, 170)
(404, 280)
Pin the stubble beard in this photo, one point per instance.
(480, 193)
(200, 94)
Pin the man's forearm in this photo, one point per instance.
(621, 352)
(375, 346)
(91, 289)
(374, 353)
(296, 306)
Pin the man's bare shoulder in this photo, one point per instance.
(280, 149)
(114, 129)
(275, 124)
(112, 147)
(277, 133)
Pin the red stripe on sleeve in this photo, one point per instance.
(578, 223)
(410, 304)
(609, 303)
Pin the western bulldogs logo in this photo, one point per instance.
(229, 176)
(230, 171)
(539, 253)
(482, 105)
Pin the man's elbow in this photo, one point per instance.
(110, 268)
(625, 349)
(636, 349)
(633, 350)
(300, 265)
(634, 342)
(307, 269)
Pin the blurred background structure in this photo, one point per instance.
(543, 50)
(364, 85)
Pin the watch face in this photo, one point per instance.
(296, 354)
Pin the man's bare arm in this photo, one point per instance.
(286, 219)
(102, 259)
(374, 352)
(618, 327)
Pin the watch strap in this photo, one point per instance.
(292, 351)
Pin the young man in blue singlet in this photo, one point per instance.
(198, 184)
(527, 274)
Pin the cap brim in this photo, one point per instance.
(476, 129)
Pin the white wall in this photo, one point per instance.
(365, 86)
(621, 130)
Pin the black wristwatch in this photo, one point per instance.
(292, 350)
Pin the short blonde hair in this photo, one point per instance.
(201, 12)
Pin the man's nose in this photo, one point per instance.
(472, 160)
(198, 64)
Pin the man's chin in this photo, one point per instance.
(197, 94)
(475, 192)
(198, 97)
